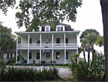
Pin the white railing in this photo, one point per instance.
(47, 45)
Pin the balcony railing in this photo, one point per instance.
(47, 45)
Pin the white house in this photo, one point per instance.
(48, 45)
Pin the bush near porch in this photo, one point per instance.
(84, 71)
(15, 74)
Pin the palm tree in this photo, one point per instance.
(83, 46)
(100, 41)
(89, 38)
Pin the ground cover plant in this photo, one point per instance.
(17, 74)
(88, 71)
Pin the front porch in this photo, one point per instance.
(47, 56)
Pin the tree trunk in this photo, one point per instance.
(88, 54)
(104, 6)
(84, 53)
(92, 50)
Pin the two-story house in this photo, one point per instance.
(48, 45)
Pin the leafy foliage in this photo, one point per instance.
(100, 41)
(83, 71)
(4, 4)
(15, 74)
(2, 64)
(6, 39)
(88, 38)
(11, 61)
(36, 12)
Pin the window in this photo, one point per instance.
(30, 40)
(47, 54)
(7, 55)
(66, 40)
(57, 40)
(38, 55)
(60, 28)
(39, 28)
(38, 42)
(11, 55)
(57, 55)
(42, 28)
(30, 55)
(47, 28)
(66, 55)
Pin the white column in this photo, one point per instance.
(28, 49)
(52, 40)
(40, 56)
(16, 55)
(40, 47)
(52, 48)
(16, 48)
(52, 56)
(64, 56)
(77, 50)
(64, 40)
(64, 48)
(77, 42)
(40, 40)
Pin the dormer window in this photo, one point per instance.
(60, 28)
(39, 28)
(47, 28)
(33, 30)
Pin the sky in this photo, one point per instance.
(88, 17)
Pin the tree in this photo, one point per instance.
(35, 12)
(88, 39)
(100, 41)
(104, 7)
(5, 4)
(6, 39)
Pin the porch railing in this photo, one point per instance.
(47, 45)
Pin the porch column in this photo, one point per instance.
(52, 40)
(40, 47)
(40, 40)
(64, 48)
(28, 49)
(40, 56)
(16, 48)
(64, 56)
(52, 48)
(76, 40)
(77, 43)
(52, 56)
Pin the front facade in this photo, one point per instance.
(47, 45)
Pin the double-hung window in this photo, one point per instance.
(57, 55)
(47, 28)
(30, 55)
(60, 28)
(38, 55)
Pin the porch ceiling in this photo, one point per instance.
(37, 33)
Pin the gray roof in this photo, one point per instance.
(67, 27)
(10, 50)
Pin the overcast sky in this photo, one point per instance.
(88, 16)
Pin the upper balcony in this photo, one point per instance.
(47, 40)
(47, 46)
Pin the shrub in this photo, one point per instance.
(2, 64)
(11, 61)
(15, 74)
(83, 71)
